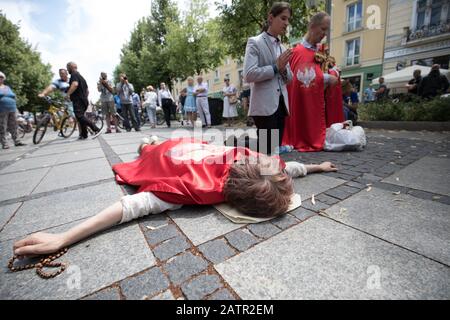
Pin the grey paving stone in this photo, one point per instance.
(327, 199)
(371, 177)
(61, 208)
(333, 262)
(263, 230)
(350, 172)
(154, 221)
(73, 174)
(16, 185)
(106, 294)
(338, 194)
(129, 157)
(11, 156)
(201, 286)
(6, 212)
(202, 224)
(222, 294)
(285, 221)
(162, 234)
(144, 285)
(166, 295)
(171, 248)
(183, 267)
(66, 147)
(428, 174)
(319, 206)
(241, 240)
(355, 184)
(80, 155)
(127, 148)
(93, 264)
(315, 184)
(216, 251)
(30, 163)
(303, 214)
(419, 225)
(339, 175)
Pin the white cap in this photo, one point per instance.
(2, 75)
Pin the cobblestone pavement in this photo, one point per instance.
(379, 228)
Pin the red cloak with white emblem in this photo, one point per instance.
(334, 105)
(305, 127)
(183, 171)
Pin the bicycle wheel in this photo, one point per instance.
(41, 129)
(98, 121)
(160, 120)
(120, 122)
(68, 126)
(143, 119)
(20, 131)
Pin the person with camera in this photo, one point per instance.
(125, 91)
(106, 90)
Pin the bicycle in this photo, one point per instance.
(95, 118)
(59, 115)
(24, 125)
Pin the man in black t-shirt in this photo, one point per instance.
(78, 93)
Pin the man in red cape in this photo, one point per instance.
(306, 127)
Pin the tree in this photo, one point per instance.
(194, 46)
(26, 74)
(245, 18)
(143, 58)
(164, 47)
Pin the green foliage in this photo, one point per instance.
(409, 109)
(245, 18)
(194, 46)
(164, 47)
(25, 72)
(143, 57)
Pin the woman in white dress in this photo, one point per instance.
(229, 102)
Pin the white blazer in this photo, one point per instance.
(266, 86)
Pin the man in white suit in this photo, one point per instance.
(266, 68)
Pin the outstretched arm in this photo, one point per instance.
(44, 243)
(296, 169)
(129, 208)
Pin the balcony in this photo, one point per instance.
(426, 34)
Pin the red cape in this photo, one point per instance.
(333, 102)
(169, 171)
(305, 127)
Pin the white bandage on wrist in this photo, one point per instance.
(143, 204)
(296, 169)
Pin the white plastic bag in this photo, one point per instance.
(345, 137)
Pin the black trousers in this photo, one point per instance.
(167, 108)
(79, 109)
(271, 126)
(127, 114)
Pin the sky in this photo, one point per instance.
(88, 32)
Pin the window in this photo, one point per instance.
(354, 16)
(443, 61)
(352, 52)
(432, 13)
(421, 11)
(436, 9)
(217, 74)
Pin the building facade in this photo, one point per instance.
(230, 68)
(418, 32)
(357, 39)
